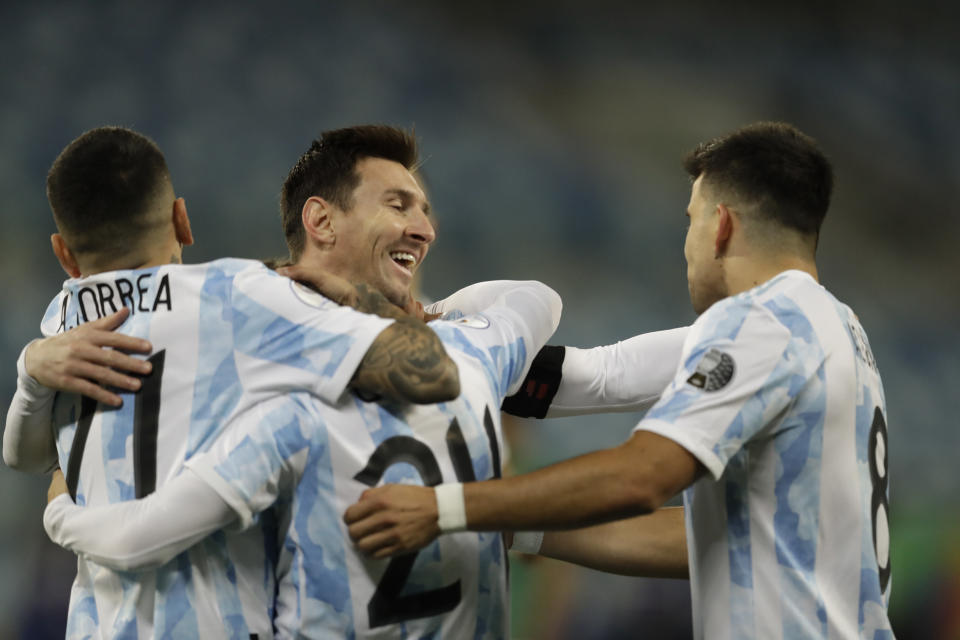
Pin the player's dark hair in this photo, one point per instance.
(328, 170)
(101, 188)
(772, 165)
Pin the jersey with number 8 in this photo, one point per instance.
(226, 335)
(779, 397)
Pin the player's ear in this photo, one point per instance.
(181, 223)
(724, 229)
(318, 220)
(64, 255)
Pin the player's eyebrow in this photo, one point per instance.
(408, 196)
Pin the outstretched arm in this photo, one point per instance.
(137, 534)
(632, 479)
(88, 359)
(629, 375)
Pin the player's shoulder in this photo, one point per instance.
(231, 266)
(235, 271)
(786, 299)
(756, 314)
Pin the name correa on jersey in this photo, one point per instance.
(100, 299)
(226, 335)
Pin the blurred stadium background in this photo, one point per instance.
(552, 133)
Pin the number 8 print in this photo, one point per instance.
(879, 506)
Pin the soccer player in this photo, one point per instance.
(290, 443)
(225, 336)
(774, 425)
(314, 457)
(317, 457)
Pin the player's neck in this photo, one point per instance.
(133, 261)
(744, 273)
(319, 261)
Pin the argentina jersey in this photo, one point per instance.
(779, 398)
(314, 459)
(225, 335)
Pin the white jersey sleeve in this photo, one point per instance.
(143, 533)
(627, 376)
(255, 459)
(28, 442)
(521, 314)
(471, 299)
(729, 388)
(289, 345)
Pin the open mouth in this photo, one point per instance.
(404, 259)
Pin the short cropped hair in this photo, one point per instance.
(329, 170)
(102, 188)
(771, 165)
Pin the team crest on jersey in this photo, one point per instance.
(714, 371)
(308, 295)
(476, 321)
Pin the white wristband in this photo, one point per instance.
(451, 509)
(527, 542)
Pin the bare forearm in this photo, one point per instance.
(583, 491)
(632, 479)
(653, 545)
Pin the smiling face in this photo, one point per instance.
(384, 236)
(705, 271)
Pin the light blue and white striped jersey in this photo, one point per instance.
(226, 335)
(316, 458)
(779, 397)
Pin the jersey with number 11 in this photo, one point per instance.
(226, 335)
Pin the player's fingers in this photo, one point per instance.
(120, 341)
(359, 529)
(388, 551)
(103, 376)
(373, 543)
(80, 357)
(361, 509)
(91, 390)
(110, 358)
(110, 322)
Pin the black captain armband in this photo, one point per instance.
(540, 386)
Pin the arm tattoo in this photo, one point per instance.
(407, 361)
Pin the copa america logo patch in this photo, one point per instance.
(714, 371)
